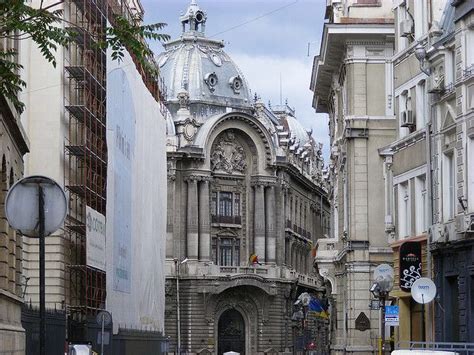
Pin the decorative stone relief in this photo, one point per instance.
(216, 59)
(362, 322)
(236, 84)
(211, 80)
(183, 99)
(228, 155)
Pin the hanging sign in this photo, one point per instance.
(410, 264)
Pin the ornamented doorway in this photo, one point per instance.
(231, 332)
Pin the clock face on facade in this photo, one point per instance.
(216, 59)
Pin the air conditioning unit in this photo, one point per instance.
(470, 224)
(405, 28)
(406, 119)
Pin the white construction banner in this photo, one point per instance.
(136, 200)
(95, 236)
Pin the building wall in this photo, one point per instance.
(13, 146)
(359, 106)
(281, 214)
(453, 183)
(46, 127)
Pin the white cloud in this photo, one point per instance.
(263, 76)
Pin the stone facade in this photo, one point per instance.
(352, 82)
(246, 204)
(13, 146)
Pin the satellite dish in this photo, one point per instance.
(305, 298)
(22, 205)
(423, 290)
(383, 271)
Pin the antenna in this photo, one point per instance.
(281, 101)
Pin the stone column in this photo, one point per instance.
(259, 222)
(170, 253)
(270, 252)
(192, 220)
(204, 225)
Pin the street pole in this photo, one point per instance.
(423, 331)
(382, 300)
(42, 269)
(102, 338)
(178, 306)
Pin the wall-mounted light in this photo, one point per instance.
(420, 54)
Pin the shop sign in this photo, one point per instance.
(410, 264)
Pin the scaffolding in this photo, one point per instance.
(85, 153)
(85, 148)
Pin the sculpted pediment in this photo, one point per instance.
(228, 155)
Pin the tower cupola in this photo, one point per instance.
(194, 20)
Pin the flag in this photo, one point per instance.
(316, 306)
(254, 259)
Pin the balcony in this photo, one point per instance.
(227, 219)
(243, 270)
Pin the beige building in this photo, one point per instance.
(13, 146)
(352, 82)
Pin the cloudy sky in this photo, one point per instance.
(266, 39)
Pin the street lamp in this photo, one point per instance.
(380, 289)
(178, 310)
(420, 54)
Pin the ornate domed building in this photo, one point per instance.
(246, 204)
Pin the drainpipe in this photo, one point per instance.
(429, 180)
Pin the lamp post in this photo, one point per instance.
(36, 206)
(420, 54)
(297, 316)
(381, 288)
(178, 309)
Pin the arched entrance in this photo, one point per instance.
(231, 332)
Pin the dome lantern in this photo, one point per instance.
(195, 18)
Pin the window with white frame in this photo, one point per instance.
(421, 18)
(469, 48)
(470, 174)
(421, 107)
(450, 67)
(404, 210)
(421, 204)
(449, 191)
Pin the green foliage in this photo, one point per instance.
(10, 81)
(18, 21)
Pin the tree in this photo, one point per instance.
(44, 25)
